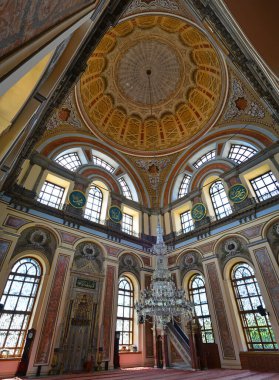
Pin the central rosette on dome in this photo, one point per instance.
(165, 73)
(115, 98)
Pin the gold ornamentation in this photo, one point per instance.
(113, 95)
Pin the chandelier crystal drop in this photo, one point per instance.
(163, 301)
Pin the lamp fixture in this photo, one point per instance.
(163, 301)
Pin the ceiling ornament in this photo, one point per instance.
(240, 104)
(187, 86)
(153, 169)
(152, 4)
(66, 114)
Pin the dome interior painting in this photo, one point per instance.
(153, 81)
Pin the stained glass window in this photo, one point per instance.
(125, 311)
(70, 161)
(240, 153)
(257, 328)
(94, 204)
(206, 157)
(265, 186)
(184, 186)
(51, 195)
(18, 300)
(220, 200)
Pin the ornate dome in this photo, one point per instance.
(153, 83)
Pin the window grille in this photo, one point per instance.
(70, 161)
(240, 153)
(205, 158)
(265, 186)
(18, 301)
(94, 204)
(256, 327)
(220, 200)
(51, 195)
(184, 186)
(125, 311)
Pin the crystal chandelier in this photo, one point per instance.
(163, 301)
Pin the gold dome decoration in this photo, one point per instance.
(114, 96)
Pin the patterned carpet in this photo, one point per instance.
(169, 374)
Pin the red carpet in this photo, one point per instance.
(169, 374)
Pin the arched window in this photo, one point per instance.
(125, 311)
(205, 158)
(220, 200)
(255, 322)
(94, 204)
(240, 153)
(18, 301)
(184, 186)
(125, 188)
(198, 296)
(70, 161)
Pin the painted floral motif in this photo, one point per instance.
(65, 114)
(239, 103)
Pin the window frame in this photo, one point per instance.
(209, 156)
(252, 311)
(244, 147)
(72, 167)
(27, 314)
(126, 226)
(131, 296)
(125, 188)
(190, 221)
(184, 186)
(49, 202)
(226, 210)
(102, 163)
(204, 331)
(262, 197)
(96, 201)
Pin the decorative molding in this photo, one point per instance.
(4, 249)
(65, 114)
(38, 239)
(146, 261)
(253, 231)
(15, 222)
(172, 260)
(269, 276)
(68, 238)
(153, 169)
(207, 247)
(88, 258)
(220, 313)
(239, 103)
(112, 251)
(129, 263)
(108, 310)
(52, 310)
(141, 5)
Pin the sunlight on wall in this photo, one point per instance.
(13, 100)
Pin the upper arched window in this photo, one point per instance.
(18, 301)
(254, 319)
(125, 188)
(104, 164)
(205, 158)
(70, 161)
(125, 311)
(93, 206)
(198, 297)
(219, 200)
(184, 186)
(240, 153)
